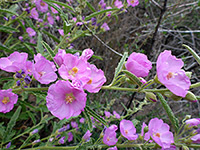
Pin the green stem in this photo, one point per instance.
(195, 85)
(30, 89)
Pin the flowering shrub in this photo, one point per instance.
(47, 95)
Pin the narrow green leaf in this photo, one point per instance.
(9, 84)
(120, 64)
(40, 48)
(30, 50)
(132, 77)
(32, 117)
(91, 7)
(30, 23)
(3, 47)
(8, 29)
(99, 12)
(95, 115)
(9, 11)
(60, 3)
(12, 122)
(51, 36)
(194, 54)
(67, 27)
(173, 119)
(21, 24)
(48, 48)
(89, 121)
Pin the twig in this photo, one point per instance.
(103, 42)
(155, 3)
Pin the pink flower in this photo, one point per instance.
(96, 79)
(64, 101)
(193, 122)
(54, 10)
(74, 68)
(34, 13)
(196, 138)
(105, 27)
(61, 31)
(102, 4)
(30, 32)
(113, 148)
(50, 19)
(15, 62)
(44, 70)
(159, 132)
(41, 6)
(87, 54)
(82, 120)
(118, 4)
(109, 137)
(143, 126)
(170, 74)
(74, 124)
(70, 137)
(128, 130)
(132, 3)
(107, 114)
(116, 115)
(7, 100)
(109, 13)
(87, 135)
(138, 64)
(29, 67)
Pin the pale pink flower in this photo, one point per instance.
(102, 4)
(64, 101)
(74, 68)
(87, 54)
(54, 10)
(44, 70)
(133, 3)
(116, 115)
(109, 137)
(87, 135)
(74, 124)
(107, 114)
(193, 122)
(159, 132)
(113, 148)
(142, 130)
(50, 19)
(118, 4)
(105, 27)
(15, 62)
(128, 130)
(34, 13)
(96, 79)
(170, 74)
(30, 31)
(61, 31)
(138, 64)
(82, 120)
(7, 100)
(196, 139)
(41, 6)
(59, 57)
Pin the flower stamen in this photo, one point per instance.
(5, 100)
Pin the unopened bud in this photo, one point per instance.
(189, 74)
(151, 96)
(190, 97)
(146, 129)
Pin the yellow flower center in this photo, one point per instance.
(42, 4)
(69, 98)
(132, 1)
(5, 100)
(171, 75)
(108, 139)
(73, 71)
(157, 134)
(90, 81)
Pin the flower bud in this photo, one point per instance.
(151, 96)
(172, 96)
(190, 97)
(189, 74)
(156, 80)
(34, 131)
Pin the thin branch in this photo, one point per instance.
(103, 42)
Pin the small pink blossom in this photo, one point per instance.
(105, 27)
(196, 139)
(54, 11)
(30, 31)
(64, 101)
(70, 137)
(113, 148)
(74, 124)
(41, 6)
(7, 100)
(34, 13)
(107, 114)
(170, 74)
(133, 3)
(82, 120)
(87, 54)
(118, 4)
(102, 4)
(109, 137)
(44, 70)
(87, 135)
(142, 130)
(116, 115)
(109, 13)
(159, 132)
(61, 31)
(193, 122)
(128, 130)
(59, 57)
(15, 62)
(50, 19)
(96, 79)
(138, 64)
